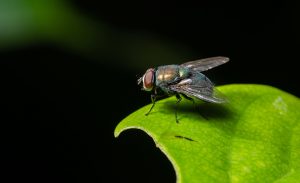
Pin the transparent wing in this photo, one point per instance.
(203, 90)
(206, 63)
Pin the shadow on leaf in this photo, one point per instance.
(204, 110)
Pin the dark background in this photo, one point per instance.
(68, 76)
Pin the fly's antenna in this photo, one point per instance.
(139, 79)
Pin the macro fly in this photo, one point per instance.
(184, 80)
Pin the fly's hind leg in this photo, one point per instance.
(176, 107)
(188, 98)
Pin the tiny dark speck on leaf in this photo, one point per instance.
(186, 138)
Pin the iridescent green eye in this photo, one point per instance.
(148, 79)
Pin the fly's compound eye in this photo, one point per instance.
(148, 79)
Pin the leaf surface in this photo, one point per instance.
(255, 137)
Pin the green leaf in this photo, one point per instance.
(255, 137)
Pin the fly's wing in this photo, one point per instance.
(202, 90)
(206, 63)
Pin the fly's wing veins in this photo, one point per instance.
(206, 63)
(205, 91)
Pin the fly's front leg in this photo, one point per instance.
(176, 107)
(153, 99)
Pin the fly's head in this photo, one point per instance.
(148, 80)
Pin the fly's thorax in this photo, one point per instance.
(183, 72)
(170, 74)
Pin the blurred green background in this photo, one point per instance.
(69, 70)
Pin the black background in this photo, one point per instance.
(59, 108)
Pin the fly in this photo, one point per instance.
(184, 80)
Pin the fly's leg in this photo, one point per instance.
(176, 107)
(153, 99)
(188, 98)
